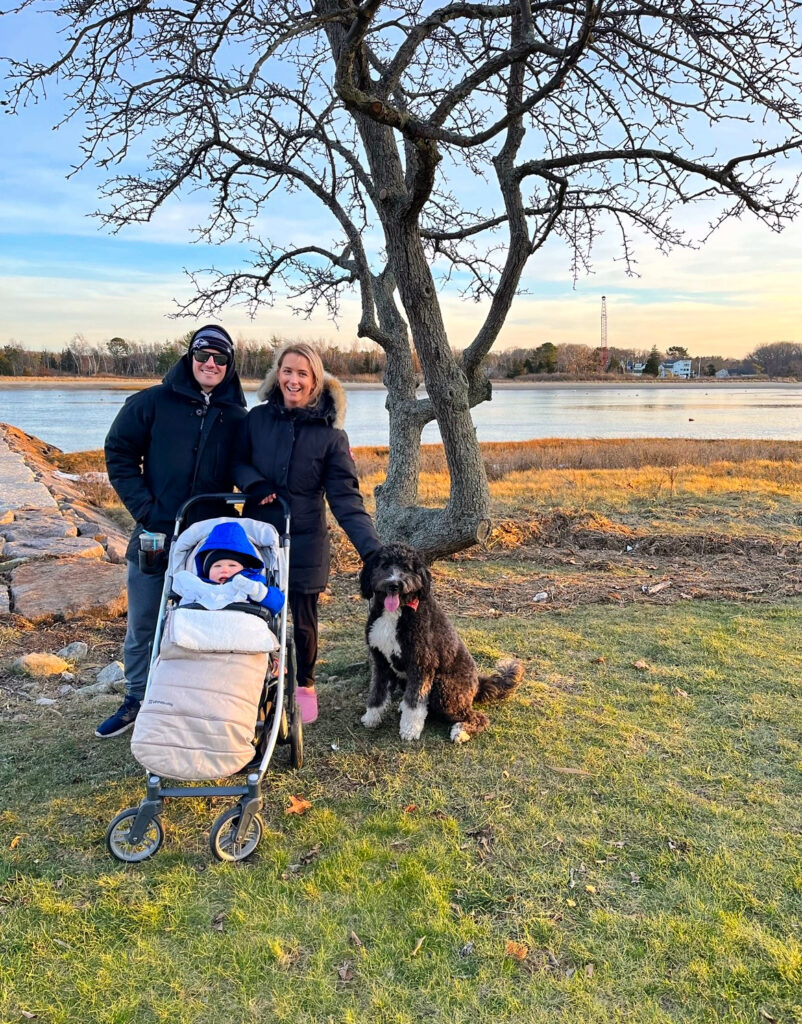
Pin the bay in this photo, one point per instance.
(77, 418)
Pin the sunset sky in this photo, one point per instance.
(61, 274)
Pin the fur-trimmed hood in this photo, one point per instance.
(330, 406)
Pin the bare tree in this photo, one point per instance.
(570, 113)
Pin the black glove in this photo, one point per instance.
(260, 489)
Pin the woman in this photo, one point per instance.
(293, 445)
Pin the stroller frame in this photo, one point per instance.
(229, 841)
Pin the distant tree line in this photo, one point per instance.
(122, 358)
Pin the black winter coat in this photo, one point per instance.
(302, 456)
(168, 443)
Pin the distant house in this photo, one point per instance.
(635, 367)
(679, 368)
(722, 374)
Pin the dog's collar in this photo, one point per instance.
(413, 604)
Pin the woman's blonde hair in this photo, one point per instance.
(300, 348)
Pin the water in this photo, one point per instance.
(78, 419)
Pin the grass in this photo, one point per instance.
(623, 844)
(635, 834)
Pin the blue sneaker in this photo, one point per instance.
(121, 721)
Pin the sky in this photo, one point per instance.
(62, 273)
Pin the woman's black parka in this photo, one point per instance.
(303, 455)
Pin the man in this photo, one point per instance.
(166, 444)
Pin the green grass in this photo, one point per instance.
(663, 884)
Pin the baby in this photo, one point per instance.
(229, 560)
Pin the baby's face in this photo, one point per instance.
(224, 569)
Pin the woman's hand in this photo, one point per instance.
(268, 500)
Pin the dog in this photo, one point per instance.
(413, 645)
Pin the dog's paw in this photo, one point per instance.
(412, 720)
(372, 718)
(459, 734)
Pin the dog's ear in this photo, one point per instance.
(422, 569)
(366, 575)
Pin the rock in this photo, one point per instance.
(98, 689)
(68, 587)
(116, 547)
(112, 673)
(5, 601)
(66, 690)
(26, 530)
(40, 664)
(52, 546)
(68, 677)
(2, 544)
(76, 651)
(46, 701)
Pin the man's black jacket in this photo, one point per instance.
(168, 443)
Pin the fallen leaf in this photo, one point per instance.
(410, 808)
(218, 921)
(14, 842)
(354, 939)
(591, 889)
(589, 969)
(571, 903)
(598, 661)
(345, 971)
(655, 588)
(418, 945)
(517, 950)
(467, 949)
(62, 943)
(641, 665)
(766, 1015)
(567, 771)
(297, 805)
(634, 878)
(28, 1015)
(679, 692)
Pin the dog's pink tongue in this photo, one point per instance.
(391, 602)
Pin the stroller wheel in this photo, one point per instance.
(296, 739)
(222, 836)
(131, 853)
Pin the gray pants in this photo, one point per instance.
(144, 597)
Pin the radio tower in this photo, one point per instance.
(604, 353)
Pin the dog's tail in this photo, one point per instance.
(503, 683)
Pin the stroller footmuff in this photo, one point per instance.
(197, 719)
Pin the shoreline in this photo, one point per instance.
(139, 384)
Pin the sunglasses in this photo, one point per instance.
(202, 355)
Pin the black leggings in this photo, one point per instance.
(303, 608)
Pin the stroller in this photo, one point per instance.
(220, 695)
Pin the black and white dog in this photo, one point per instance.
(413, 645)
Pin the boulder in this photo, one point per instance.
(39, 664)
(68, 587)
(112, 673)
(53, 546)
(101, 689)
(30, 528)
(76, 651)
(116, 547)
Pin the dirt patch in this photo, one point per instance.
(586, 558)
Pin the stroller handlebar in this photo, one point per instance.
(229, 499)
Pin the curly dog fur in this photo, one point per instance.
(413, 645)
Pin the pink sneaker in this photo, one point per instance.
(307, 702)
